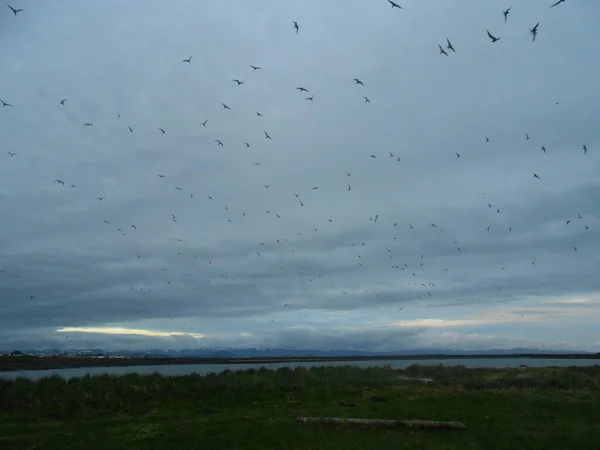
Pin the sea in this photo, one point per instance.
(204, 369)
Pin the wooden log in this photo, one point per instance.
(381, 423)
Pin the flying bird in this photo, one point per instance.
(267, 135)
(239, 83)
(247, 145)
(457, 154)
(584, 148)
(225, 106)
(134, 227)
(88, 124)
(204, 123)
(535, 176)
(487, 139)
(62, 102)
(526, 137)
(100, 198)
(492, 37)
(311, 98)
(60, 182)
(5, 104)
(162, 131)
(357, 81)
(161, 176)
(506, 13)
(15, 11)
(11, 154)
(130, 129)
(189, 60)
(394, 5)
(301, 89)
(349, 187)
(449, 45)
(219, 143)
(367, 100)
(255, 68)
(442, 51)
(534, 31)
(296, 27)
(551, 6)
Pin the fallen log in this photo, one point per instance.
(381, 423)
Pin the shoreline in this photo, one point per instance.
(29, 362)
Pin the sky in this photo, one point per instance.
(412, 220)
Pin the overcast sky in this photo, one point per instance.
(414, 248)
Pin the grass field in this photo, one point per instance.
(551, 408)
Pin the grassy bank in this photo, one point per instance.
(552, 408)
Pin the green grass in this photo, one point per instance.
(551, 408)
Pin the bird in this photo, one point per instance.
(449, 45)
(247, 145)
(567, 222)
(259, 114)
(219, 143)
(130, 129)
(311, 98)
(357, 81)
(204, 123)
(367, 100)
(584, 148)
(15, 11)
(349, 187)
(225, 106)
(267, 135)
(162, 131)
(100, 198)
(506, 13)
(536, 176)
(487, 139)
(238, 82)
(134, 227)
(526, 137)
(296, 27)
(4, 104)
(394, 5)
(161, 176)
(551, 6)
(457, 154)
(88, 124)
(255, 68)
(534, 31)
(302, 89)
(492, 37)
(11, 154)
(442, 51)
(543, 149)
(59, 182)
(62, 102)
(189, 60)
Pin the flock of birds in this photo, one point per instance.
(425, 285)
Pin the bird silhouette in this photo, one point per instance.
(357, 81)
(449, 45)
(62, 102)
(15, 11)
(239, 83)
(311, 98)
(296, 27)
(267, 135)
(302, 89)
(189, 60)
(394, 4)
(367, 100)
(492, 37)
(204, 123)
(551, 6)
(442, 51)
(534, 31)
(506, 13)
(4, 104)
(162, 131)
(255, 68)
(225, 106)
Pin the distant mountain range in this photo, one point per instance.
(284, 352)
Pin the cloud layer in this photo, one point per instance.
(356, 225)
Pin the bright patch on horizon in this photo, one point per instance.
(128, 331)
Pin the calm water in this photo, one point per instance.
(185, 369)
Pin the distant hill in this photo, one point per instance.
(283, 352)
